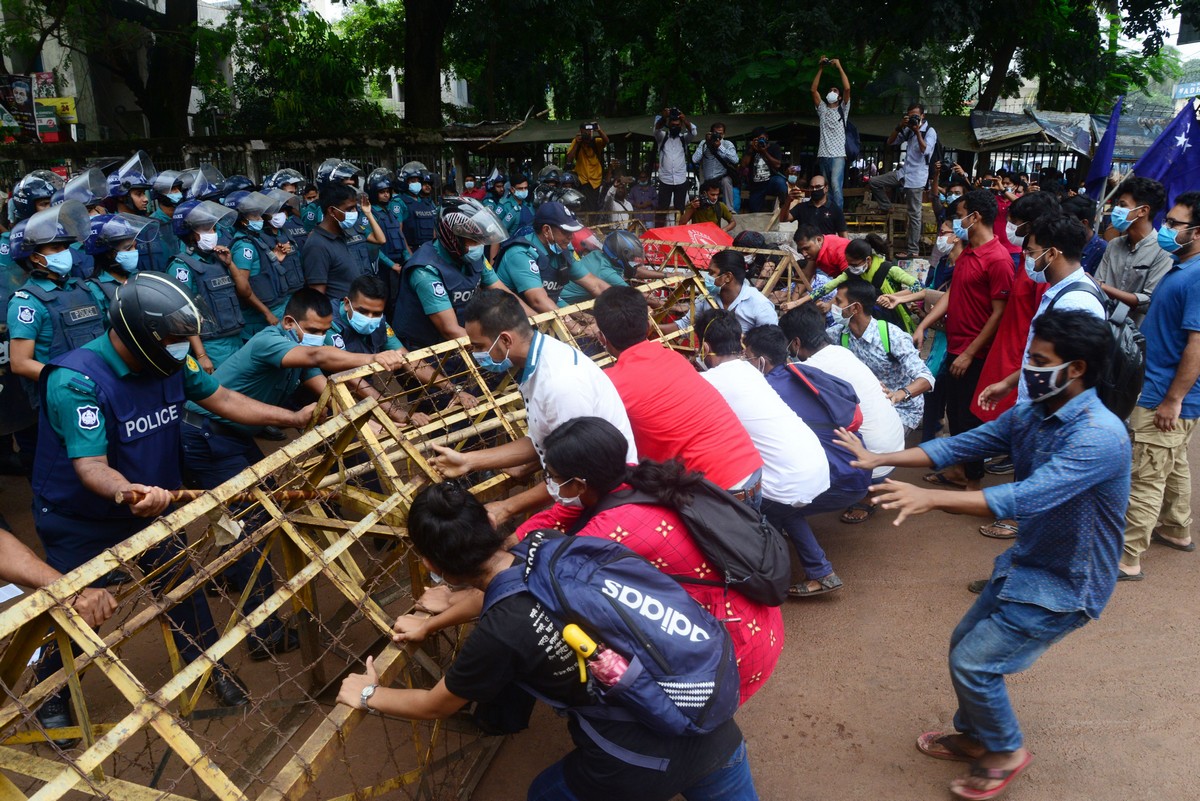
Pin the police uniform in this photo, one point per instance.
(272, 281)
(525, 264)
(94, 405)
(295, 231)
(342, 335)
(16, 413)
(517, 215)
(434, 282)
(599, 265)
(311, 215)
(335, 260)
(56, 317)
(392, 224)
(209, 279)
(83, 264)
(158, 252)
(420, 221)
(103, 288)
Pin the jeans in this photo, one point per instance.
(732, 782)
(959, 392)
(753, 498)
(996, 638)
(775, 187)
(834, 170)
(881, 185)
(671, 196)
(793, 521)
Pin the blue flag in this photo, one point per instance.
(1097, 177)
(1174, 158)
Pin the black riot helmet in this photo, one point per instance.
(625, 250)
(148, 309)
(378, 181)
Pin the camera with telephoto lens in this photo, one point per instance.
(674, 114)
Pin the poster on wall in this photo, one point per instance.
(16, 95)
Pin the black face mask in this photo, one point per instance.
(818, 195)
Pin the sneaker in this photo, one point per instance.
(1000, 466)
(55, 714)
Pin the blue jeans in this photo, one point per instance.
(732, 782)
(776, 186)
(834, 170)
(995, 638)
(793, 521)
(753, 499)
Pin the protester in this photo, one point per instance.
(1083, 208)
(825, 251)
(1134, 262)
(1072, 460)
(920, 140)
(865, 259)
(832, 110)
(734, 293)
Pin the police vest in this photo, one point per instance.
(82, 264)
(103, 292)
(410, 321)
(276, 280)
(296, 232)
(16, 412)
(393, 231)
(215, 285)
(421, 222)
(157, 253)
(141, 419)
(345, 337)
(73, 313)
(551, 267)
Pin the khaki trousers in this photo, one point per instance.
(1160, 496)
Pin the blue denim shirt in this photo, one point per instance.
(1070, 495)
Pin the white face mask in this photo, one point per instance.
(1010, 231)
(943, 244)
(555, 490)
(831, 98)
(207, 241)
(278, 219)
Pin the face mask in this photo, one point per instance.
(278, 220)
(60, 263)
(943, 245)
(831, 98)
(414, 187)
(474, 253)
(941, 198)
(362, 323)
(349, 221)
(856, 269)
(952, 197)
(1041, 381)
(643, 183)
(521, 194)
(1038, 276)
(554, 248)
(1120, 218)
(485, 361)
(960, 230)
(207, 242)
(174, 197)
(793, 179)
(469, 184)
(127, 260)
(1167, 240)
(1011, 231)
(555, 489)
(178, 351)
(818, 195)
(254, 225)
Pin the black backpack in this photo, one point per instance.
(1121, 383)
(936, 158)
(853, 143)
(748, 551)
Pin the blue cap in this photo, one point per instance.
(555, 214)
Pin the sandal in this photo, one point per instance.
(1005, 777)
(827, 584)
(999, 530)
(939, 480)
(944, 745)
(848, 516)
(1161, 540)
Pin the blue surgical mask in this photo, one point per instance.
(127, 260)
(363, 323)
(793, 179)
(179, 350)
(302, 337)
(349, 221)
(1042, 382)
(474, 253)
(469, 184)
(1167, 239)
(1120, 218)
(175, 197)
(254, 225)
(414, 187)
(960, 230)
(486, 362)
(1031, 269)
(521, 194)
(61, 263)
(554, 248)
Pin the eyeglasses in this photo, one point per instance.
(1177, 225)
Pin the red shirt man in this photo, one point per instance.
(981, 274)
(826, 251)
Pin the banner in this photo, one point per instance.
(16, 96)
(64, 107)
(700, 233)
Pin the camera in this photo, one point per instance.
(674, 114)
(912, 121)
(714, 137)
(825, 61)
(590, 126)
(762, 140)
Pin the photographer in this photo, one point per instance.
(913, 175)
(718, 160)
(587, 151)
(672, 133)
(832, 111)
(707, 207)
(764, 158)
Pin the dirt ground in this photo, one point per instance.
(1111, 712)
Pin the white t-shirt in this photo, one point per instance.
(881, 431)
(559, 384)
(795, 468)
(1077, 300)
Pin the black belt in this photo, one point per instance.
(197, 420)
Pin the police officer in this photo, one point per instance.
(536, 269)
(359, 327)
(311, 212)
(292, 182)
(442, 275)
(110, 423)
(380, 184)
(259, 262)
(203, 266)
(113, 243)
(129, 184)
(51, 313)
(495, 191)
(167, 191)
(333, 257)
(516, 210)
(421, 215)
(621, 259)
(548, 183)
(32, 194)
(207, 184)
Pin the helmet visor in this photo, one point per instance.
(208, 214)
(119, 227)
(208, 181)
(479, 224)
(256, 204)
(283, 198)
(138, 172)
(68, 222)
(88, 187)
(165, 181)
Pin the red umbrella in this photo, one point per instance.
(700, 233)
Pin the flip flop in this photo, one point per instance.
(941, 745)
(870, 509)
(1123, 576)
(939, 480)
(1005, 777)
(1161, 540)
(999, 530)
(827, 584)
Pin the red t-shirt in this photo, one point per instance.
(676, 414)
(659, 536)
(1008, 347)
(831, 258)
(476, 193)
(981, 275)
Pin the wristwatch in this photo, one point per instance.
(363, 700)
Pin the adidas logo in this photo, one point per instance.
(670, 620)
